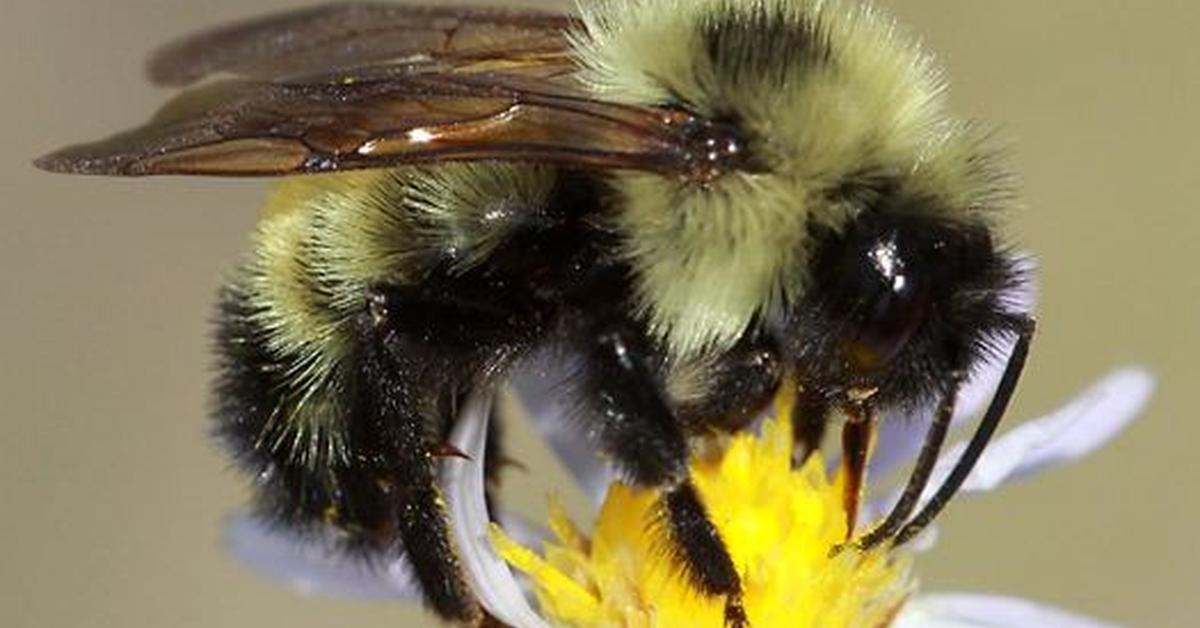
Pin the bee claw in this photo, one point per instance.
(838, 548)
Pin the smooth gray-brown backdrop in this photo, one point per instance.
(111, 495)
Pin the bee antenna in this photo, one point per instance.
(979, 440)
(922, 470)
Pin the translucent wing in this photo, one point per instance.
(340, 37)
(389, 117)
(369, 86)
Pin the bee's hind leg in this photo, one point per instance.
(390, 421)
(422, 350)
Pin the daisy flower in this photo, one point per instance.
(780, 525)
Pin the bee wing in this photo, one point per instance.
(351, 86)
(347, 36)
(386, 116)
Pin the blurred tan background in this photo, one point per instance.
(112, 495)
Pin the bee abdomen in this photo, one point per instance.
(447, 252)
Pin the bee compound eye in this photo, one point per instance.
(874, 284)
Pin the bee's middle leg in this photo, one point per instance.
(646, 440)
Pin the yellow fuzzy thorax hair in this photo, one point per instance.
(824, 91)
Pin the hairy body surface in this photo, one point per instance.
(700, 200)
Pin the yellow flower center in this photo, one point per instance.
(779, 524)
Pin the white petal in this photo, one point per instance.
(522, 529)
(312, 566)
(463, 484)
(1075, 430)
(542, 384)
(962, 610)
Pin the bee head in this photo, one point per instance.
(897, 298)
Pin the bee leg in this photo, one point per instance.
(701, 550)
(922, 470)
(741, 384)
(642, 434)
(390, 415)
(979, 440)
(810, 416)
(857, 435)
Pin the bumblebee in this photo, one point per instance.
(701, 200)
